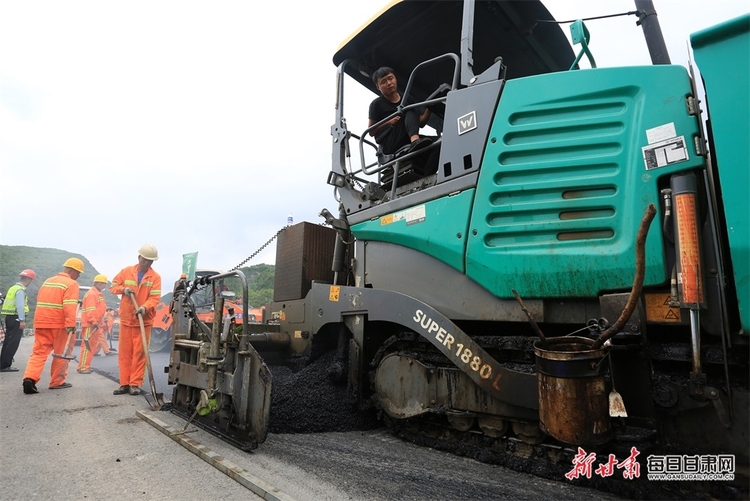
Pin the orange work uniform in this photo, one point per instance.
(100, 342)
(56, 307)
(93, 309)
(131, 357)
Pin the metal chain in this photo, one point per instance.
(260, 249)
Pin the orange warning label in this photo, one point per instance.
(658, 309)
(334, 293)
(690, 259)
(386, 220)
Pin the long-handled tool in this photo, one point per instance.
(157, 400)
(85, 340)
(109, 323)
(109, 336)
(67, 354)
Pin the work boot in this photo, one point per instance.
(29, 387)
(84, 371)
(134, 390)
(9, 369)
(60, 386)
(419, 144)
(110, 353)
(121, 390)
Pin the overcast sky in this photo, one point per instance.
(199, 126)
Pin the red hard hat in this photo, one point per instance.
(28, 273)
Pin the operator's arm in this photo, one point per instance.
(375, 114)
(392, 121)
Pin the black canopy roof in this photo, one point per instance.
(407, 33)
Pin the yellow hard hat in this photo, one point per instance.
(74, 263)
(148, 251)
(100, 278)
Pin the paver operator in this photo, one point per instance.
(145, 283)
(93, 310)
(15, 308)
(54, 321)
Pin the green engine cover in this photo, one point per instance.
(572, 161)
(437, 228)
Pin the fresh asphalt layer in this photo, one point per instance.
(85, 443)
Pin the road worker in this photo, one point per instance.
(15, 308)
(54, 323)
(93, 310)
(145, 283)
(108, 323)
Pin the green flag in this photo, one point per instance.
(188, 264)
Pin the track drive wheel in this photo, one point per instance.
(160, 339)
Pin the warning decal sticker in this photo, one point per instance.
(412, 215)
(663, 153)
(658, 309)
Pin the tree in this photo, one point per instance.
(45, 262)
(260, 279)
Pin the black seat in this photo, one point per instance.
(406, 172)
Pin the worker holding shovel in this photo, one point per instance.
(54, 326)
(144, 284)
(93, 310)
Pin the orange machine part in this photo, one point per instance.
(690, 259)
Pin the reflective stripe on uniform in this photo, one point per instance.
(55, 285)
(49, 305)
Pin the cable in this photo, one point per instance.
(260, 249)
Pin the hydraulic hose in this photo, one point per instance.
(640, 272)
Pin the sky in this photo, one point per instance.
(201, 126)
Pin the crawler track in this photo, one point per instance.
(553, 461)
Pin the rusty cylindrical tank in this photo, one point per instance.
(573, 404)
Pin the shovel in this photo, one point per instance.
(157, 399)
(67, 355)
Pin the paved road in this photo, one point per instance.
(84, 442)
(107, 367)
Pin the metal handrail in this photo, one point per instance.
(366, 169)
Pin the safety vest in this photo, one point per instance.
(9, 306)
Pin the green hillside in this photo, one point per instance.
(259, 283)
(46, 263)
